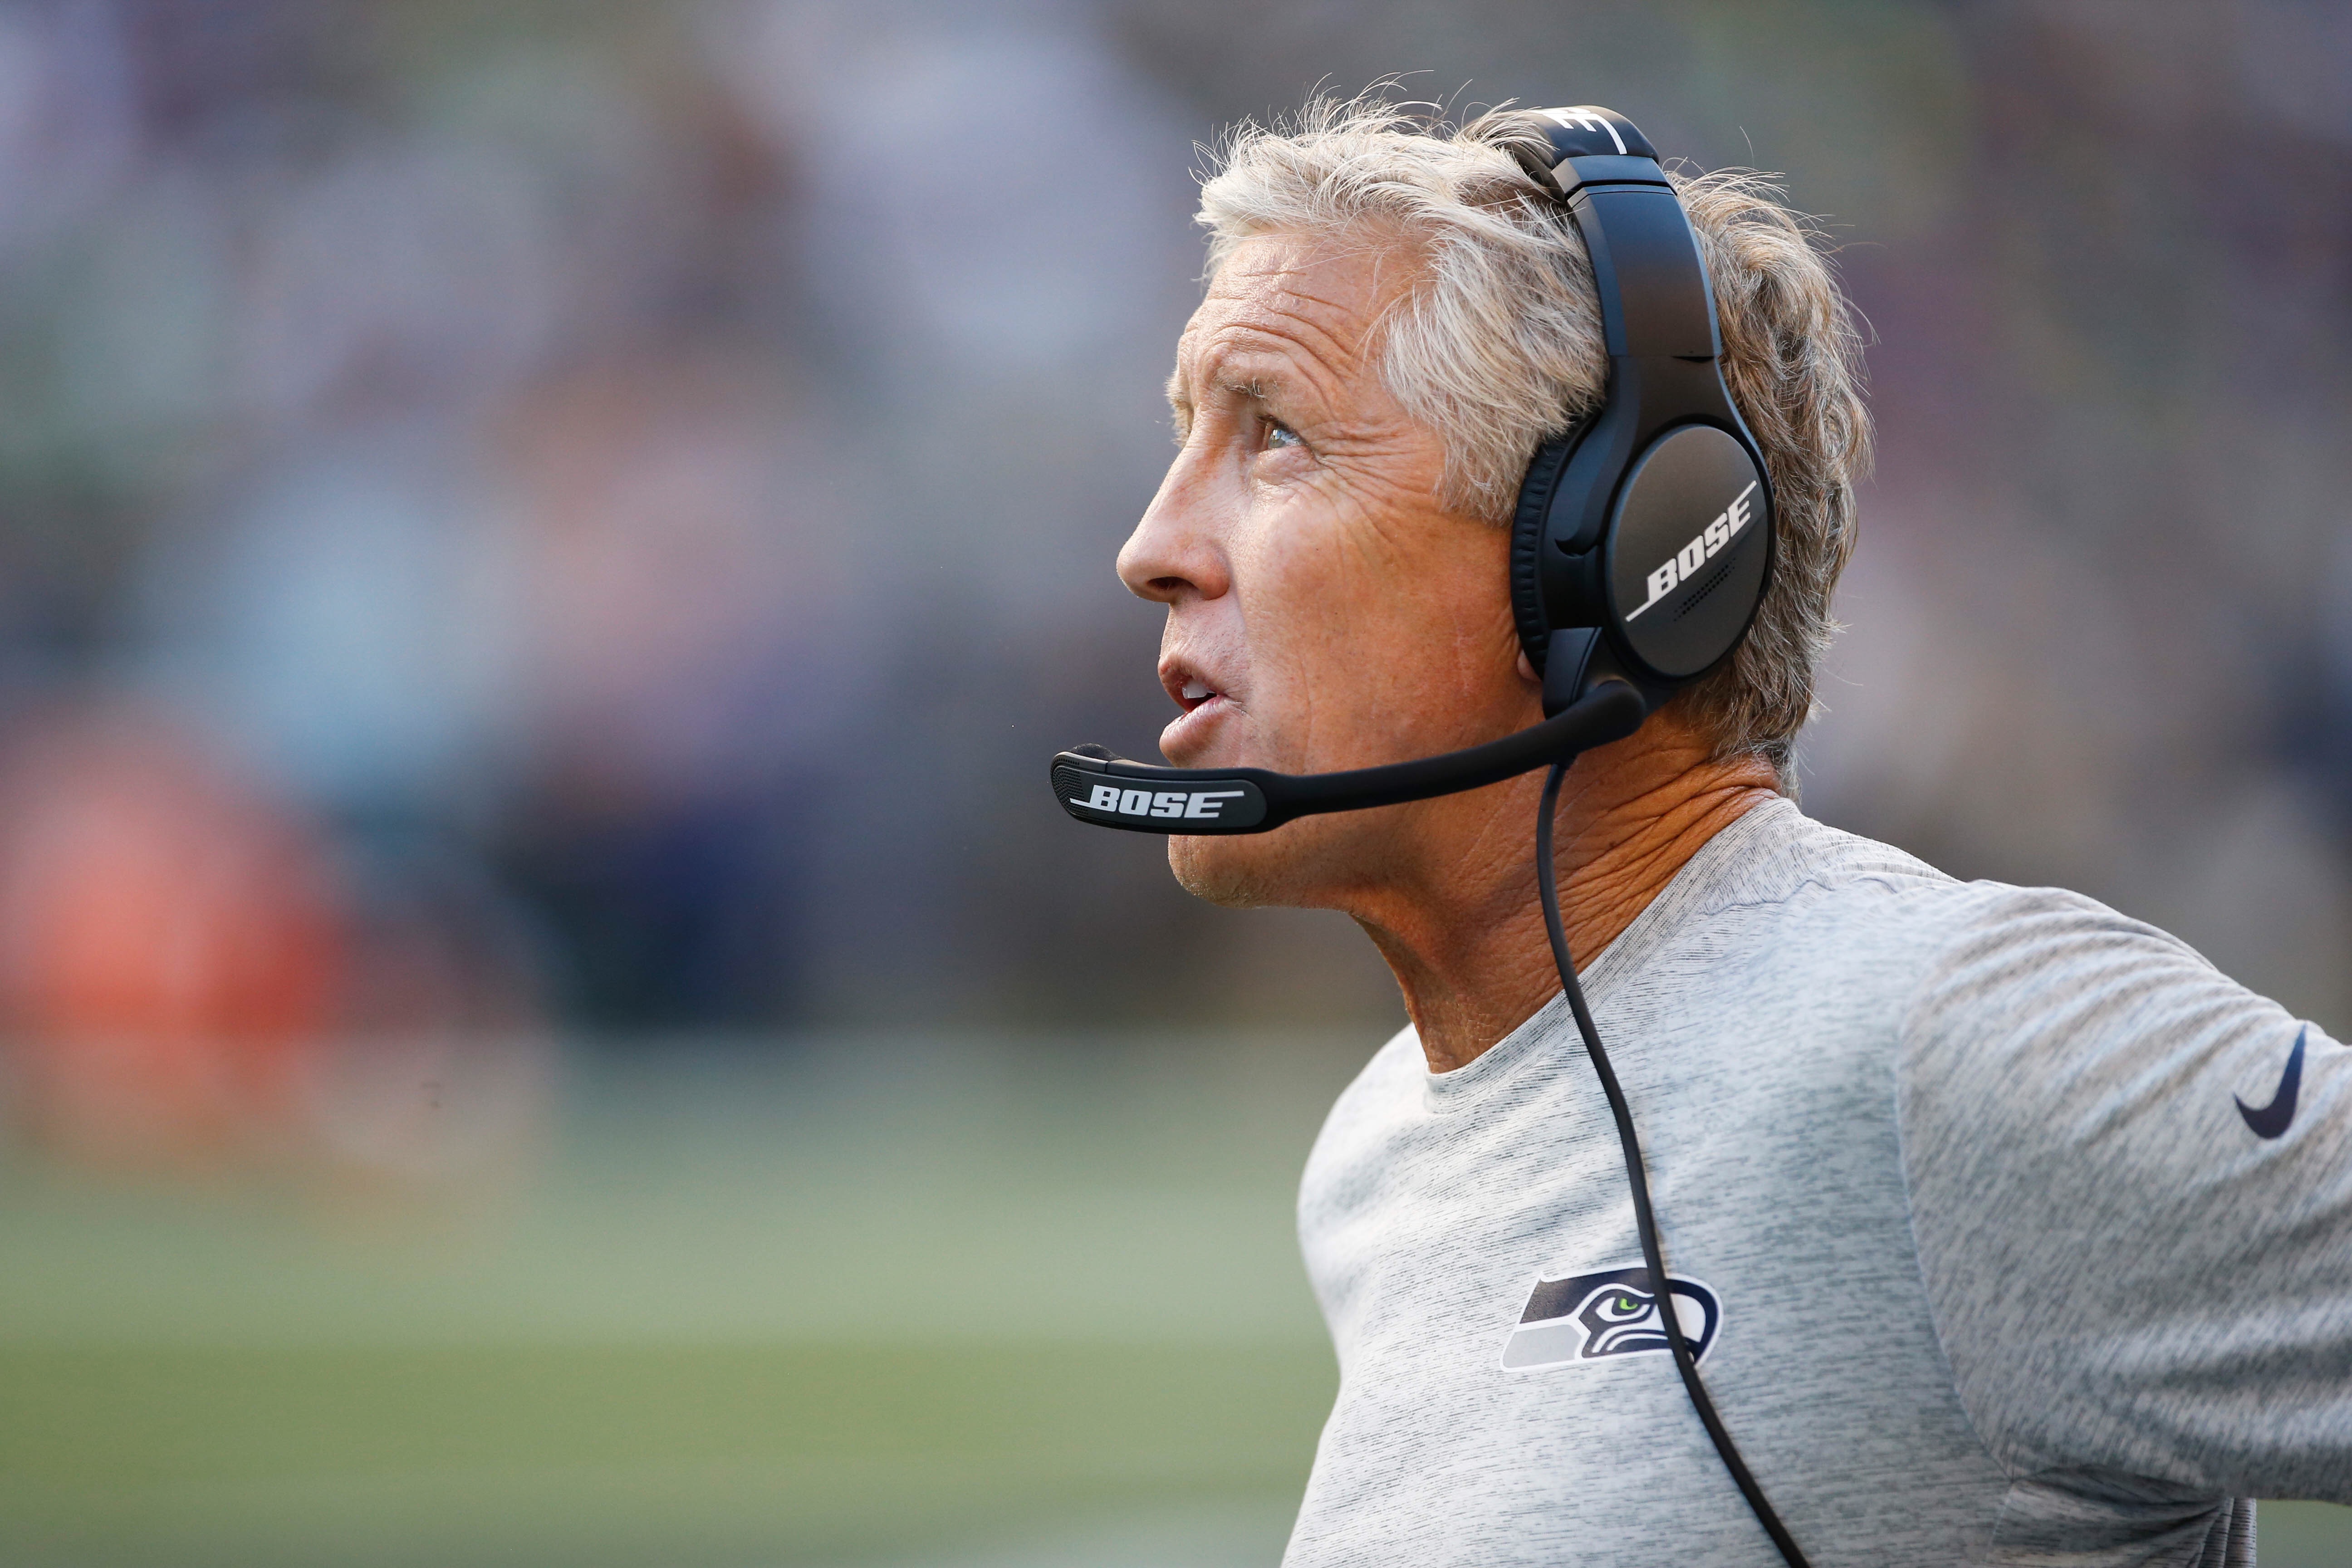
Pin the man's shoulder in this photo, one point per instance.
(1778, 860)
(1786, 857)
(1776, 854)
(1845, 914)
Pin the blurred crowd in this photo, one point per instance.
(586, 519)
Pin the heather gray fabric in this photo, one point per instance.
(2004, 1274)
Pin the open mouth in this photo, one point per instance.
(1203, 702)
(1192, 689)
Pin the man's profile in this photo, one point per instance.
(2007, 1228)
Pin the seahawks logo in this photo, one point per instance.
(1614, 1313)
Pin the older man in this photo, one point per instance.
(2006, 1229)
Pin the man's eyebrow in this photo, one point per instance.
(1257, 388)
(1257, 383)
(1211, 371)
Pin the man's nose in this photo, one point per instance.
(1176, 552)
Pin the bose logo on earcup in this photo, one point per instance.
(1202, 804)
(1694, 555)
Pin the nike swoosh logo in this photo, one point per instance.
(2273, 1119)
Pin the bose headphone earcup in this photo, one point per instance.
(1688, 552)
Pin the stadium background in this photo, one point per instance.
(543, 547)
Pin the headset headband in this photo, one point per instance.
(1589, 130)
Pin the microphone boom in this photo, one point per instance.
(1108, 791)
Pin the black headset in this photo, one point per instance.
(1642, 546)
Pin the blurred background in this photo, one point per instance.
(543, 547)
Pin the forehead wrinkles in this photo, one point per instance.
(1321, 308)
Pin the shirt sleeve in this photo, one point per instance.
(2131, 1189)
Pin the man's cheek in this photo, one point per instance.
(1308, 547)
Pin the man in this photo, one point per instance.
(2008, 1230)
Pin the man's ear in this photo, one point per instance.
(1527, 669)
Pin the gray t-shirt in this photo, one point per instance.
(2012, 1230)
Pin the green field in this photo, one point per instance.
(852, 1301)
(631, 1455)
(833, 1301)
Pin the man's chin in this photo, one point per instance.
(1289, 868)
(1228, 872)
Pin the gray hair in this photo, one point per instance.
(1498, 345)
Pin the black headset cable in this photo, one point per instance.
(1653, 1254)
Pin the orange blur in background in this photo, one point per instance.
(193, 977)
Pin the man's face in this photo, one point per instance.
(1324, 610)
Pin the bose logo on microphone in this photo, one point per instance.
(1680, 565)
(1198, 803)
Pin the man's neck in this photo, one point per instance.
(1467, 940)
